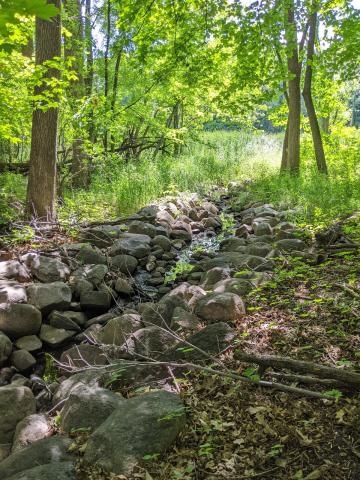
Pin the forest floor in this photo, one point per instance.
(304, 313)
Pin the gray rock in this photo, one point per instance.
(31, 343)
(14, 270)
(220, 307)
(211, 222)
(213, 276)
(289, 244)
(17, 320)
(16, 403)
(49, 296)
(88, 407)
(12, 292)
(81, 356)
(56, 470)
(237, 261)
(103, 235)
(43, 452)
(54, 336)
(5, 348)
(118, 329)
(184, 319)
(92, 377)
(239, 286)
(124, 263)
(212, 339)
(77, 317)
(150, 342)
(81, 286)
(94, 274)
(95, 301)
(142, 228)
(162, 242)
(91, 255)
(123, 286)
(262, 228)
(58, 320)
(22, 360)
(133, 244)
(141, 426)
(31, 429)
(46, 269)
(259, 249)
(233, 244)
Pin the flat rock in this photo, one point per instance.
(143, 425)
(94, 274)
(12, 292)
(95, 301)
(31, 343)
(5, 348)
(220, 307)
(118, 329)
(91, 255)
(14, 270)
(30, 430)
(133, 244)
(52, 471)
(143, 228)
(289, 244)
(54, 336)
(16, 403)
(58, 320)
(83, 355)
(49, 296)
(46, 269)
(88, 407)
(43, 452)
(22, 360)
(124, 263)
(17, 319)
(102, 235)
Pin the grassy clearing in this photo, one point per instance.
(119, 188)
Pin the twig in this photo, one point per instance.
(347, 289)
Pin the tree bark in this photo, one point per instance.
(41, 190)
(106, 66)
(115, 90)
(294, 71)
(307, 95)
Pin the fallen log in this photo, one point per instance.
(344, 376)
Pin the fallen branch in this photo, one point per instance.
(344, 376)
(307, 380)
(347, 289)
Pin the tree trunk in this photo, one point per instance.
(285, 154)
(106, 67)
(314, 125)
(294, 71)
(41, 190)
(114, 91)
(74, 48)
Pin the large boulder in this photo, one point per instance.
(144, 425)
(213, 276)
(142, 228)
(150, 342)
(14, 270)
(289, 244)
(238, 261)
(5, 348)
(92, 377)
(95, 301)
(91, 255)
(93, 274)
(133, 244)
(22, 360)
(46, 269)
(58, 320)
(30, 430)
(56, 470)
(53, 337)
(49, 296)
(43, 452)
(17, 319)
(16, 403)
(163, 242)
(220, 307)
(81, 356)
(212, 340)
(31, 343)
(88, 407)
(124, 263)
(239, 286)
(118, 329)
(102, 235)
(12, 292)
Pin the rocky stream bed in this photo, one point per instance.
(121, 311)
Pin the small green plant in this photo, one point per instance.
(205, 450)
(180, 268)
(51, 373)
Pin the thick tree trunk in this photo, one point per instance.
(314, 125)
(294, 70)
(41, 191)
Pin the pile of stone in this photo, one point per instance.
(86, 295)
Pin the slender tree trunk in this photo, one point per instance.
(106, 67)
(294, 70)
(41, 190)
(314, 125)
(74, 48)
(285, 154)
(115, 91)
